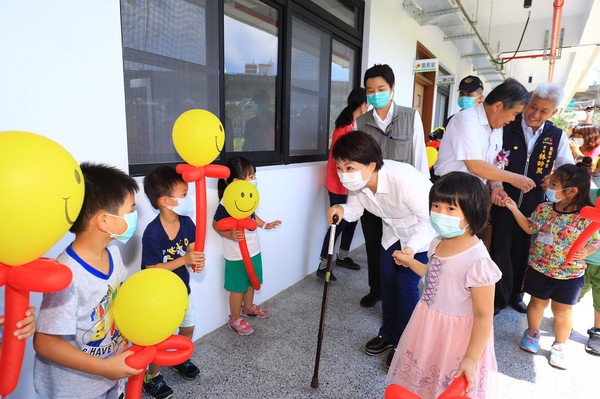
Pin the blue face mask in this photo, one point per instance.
(130, 221)
(447, 226)
(380, 99)
(551, 195)
(255, 182)
(466, 102)
(184, 207)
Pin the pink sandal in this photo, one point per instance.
(256, 311)
(241, 326)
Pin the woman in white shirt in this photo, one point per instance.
(398, 193)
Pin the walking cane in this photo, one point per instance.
(315, 379)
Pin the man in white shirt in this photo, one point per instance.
(534, 146)
(473, 138)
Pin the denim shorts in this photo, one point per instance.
(543, 287)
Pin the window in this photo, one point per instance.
(169, 68)
(227, 57)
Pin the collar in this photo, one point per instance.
(481, 116)
(388, 117)
(383, 186)
(529, 130)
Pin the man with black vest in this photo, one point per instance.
(533, 147)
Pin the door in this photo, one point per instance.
(418, 97)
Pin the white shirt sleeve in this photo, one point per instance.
(467, 138)
(353, 209)
(563, 155)
(419, 146)
(423, 233)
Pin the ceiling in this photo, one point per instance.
(488, 32)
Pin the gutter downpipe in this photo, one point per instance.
(558, 5)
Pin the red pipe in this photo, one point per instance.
(558, 5)
(517, 57)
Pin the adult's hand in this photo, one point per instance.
(522, 182)
(498, 196)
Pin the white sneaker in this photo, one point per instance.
(558, 356)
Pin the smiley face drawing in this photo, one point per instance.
(43, 191)
(240, 199)
(198, 137)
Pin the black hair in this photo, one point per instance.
(510, 92)
(466, 191)
(239, 168)
(356, 98)
(570, 175)
(358, 146)
(106, 189)
(380, 71)
(161, 182)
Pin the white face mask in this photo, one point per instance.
(353, 181)
(578, 141)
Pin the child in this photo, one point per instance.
(592, 281)
(450, 331)
(557, 224)
(80, 353)
(26, 327)
(396, 193)
(237, 282)
(168, 243)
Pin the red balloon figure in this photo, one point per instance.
(41, 275)
(197, 174)
(241, 224)
(454, 391)
(174, 350)
(593, 214)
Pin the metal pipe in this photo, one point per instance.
(558, 5)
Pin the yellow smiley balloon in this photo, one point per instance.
(198, 136)
(240, 199)
(42, 193)
(150, 306)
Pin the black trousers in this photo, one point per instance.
(510, 250)
(372, 230)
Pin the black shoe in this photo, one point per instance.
(321, 273)
(157, 388)
(369, 300)
(593, 345)
(347, 262)
(187, 369)
(377, 346)
(388, 359)
(519, 306)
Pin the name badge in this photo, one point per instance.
(545, 239)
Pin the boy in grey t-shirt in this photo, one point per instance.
(80, 353)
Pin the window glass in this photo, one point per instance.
(340, 9)
(308, 94)
(251, 55)
(342, 75)
(169, 68)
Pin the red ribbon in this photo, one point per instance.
(240, 225)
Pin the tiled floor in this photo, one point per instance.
(277, 361)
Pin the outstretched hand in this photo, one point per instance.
(271, 225)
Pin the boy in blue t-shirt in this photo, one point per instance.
(168, 243)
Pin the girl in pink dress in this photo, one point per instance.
(450, 330)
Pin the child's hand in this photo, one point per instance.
(116, 368)
(26, 327)
(509, 203)
(271, 225)
(237, 235)
(467, 368)
(196, 259)
(401, 258)
(580, 255)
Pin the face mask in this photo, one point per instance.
(379, 100)
(255, 182)
(578, 141)
(551, 195)
(184, 207)
(447, 226)
(353, 181)
(466, 102)
(130, 221)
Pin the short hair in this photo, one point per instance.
(380, 71)
(510, 92)
(358, 146)
(106, 189)
(161, 182)
(549, 91)
(466, 191)
(239, 168)
(570, 175)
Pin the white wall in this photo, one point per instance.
(61, 76)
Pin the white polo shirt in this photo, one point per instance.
(402, 203)
(468, 137)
